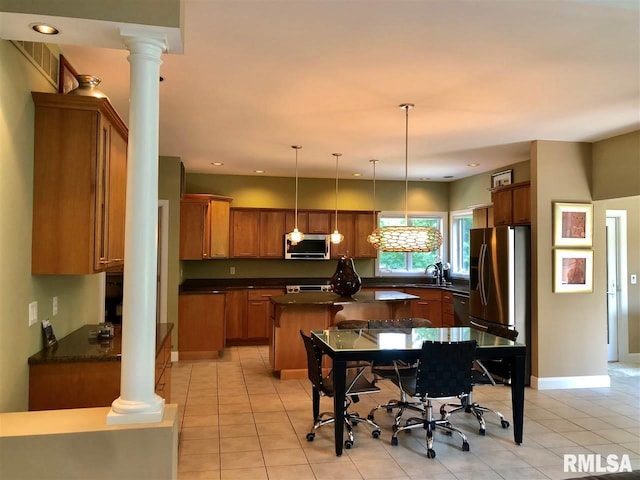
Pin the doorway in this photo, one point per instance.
(617, 300)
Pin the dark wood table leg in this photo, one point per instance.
(339, 386)
(517, 395)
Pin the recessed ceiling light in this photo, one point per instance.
(44, 29)
(473, 164)
(357, 174)
(217, 164)
(425, 178)
(448, 176)
(259, 171)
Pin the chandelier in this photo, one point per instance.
(406, 238)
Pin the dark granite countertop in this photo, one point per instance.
(327, 298)
(79, 347)
(220, 285)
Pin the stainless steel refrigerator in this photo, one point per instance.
(500, 279)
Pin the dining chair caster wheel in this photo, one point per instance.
(348, 444)
(504, 424)
(482, 431)
(431, 453)
(394, 441)
(375, 433)
(465, 446)
(310, 437)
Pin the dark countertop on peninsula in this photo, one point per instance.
(327, 298)
(78, 347)
(220, 285)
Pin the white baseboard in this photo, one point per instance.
(556, 383)
(174, 356)
(629, 358)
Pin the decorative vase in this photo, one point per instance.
(87, 87)
(346, 281)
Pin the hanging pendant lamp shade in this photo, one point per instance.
(296, 236)
(406, 238)
(336, 236)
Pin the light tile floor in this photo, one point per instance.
(237, 421)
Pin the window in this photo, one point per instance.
(461, 224)
(400, 263)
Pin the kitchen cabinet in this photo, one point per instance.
(448, 318)
(201, 325)
(248, 316)
(309, 221)
(483, 217)
(79, 185)
(85, 372)
(272, 230)
(364, 224)
(428, 306)
(346, 227)
(512, 204)
(245, 231)
(204, 227)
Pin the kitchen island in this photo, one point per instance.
(318, 311)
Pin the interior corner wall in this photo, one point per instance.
(568, 329)
(169, 189)
(78, 296)
(616, 166)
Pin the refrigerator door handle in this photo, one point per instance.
(483, 256)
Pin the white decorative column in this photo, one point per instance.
(138, 402)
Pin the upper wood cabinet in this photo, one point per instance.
(365, 223)
(512, 204)
(483, 217)
(204, 227)
(272, 230)
(79, 185)
(245, 233)
(319, 222)
(346, 226)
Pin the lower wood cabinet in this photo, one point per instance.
(248, 316)
(428, 306)
(201, 325)
(448, 319)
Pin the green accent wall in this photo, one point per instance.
(78, 296)
(616, 167)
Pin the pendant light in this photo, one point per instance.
(296, 236)
(371, 238)
(336, 236)
(406, 238)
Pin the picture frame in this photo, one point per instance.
(67, 76)
(573, 271)
(500, 179)
(572, 224)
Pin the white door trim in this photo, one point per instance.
(163, 207)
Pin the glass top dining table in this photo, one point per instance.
(345, 345)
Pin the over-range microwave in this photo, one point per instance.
(312, 247)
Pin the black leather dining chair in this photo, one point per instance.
(486, 372)
(444, 371)
(357, 384)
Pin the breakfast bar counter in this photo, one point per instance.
(321, 310)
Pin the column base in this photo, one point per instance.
(127, 412)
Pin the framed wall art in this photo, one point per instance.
(572, 271)
(572, 224)
(500, 179)
(67, 76)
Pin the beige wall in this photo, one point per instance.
(616, 167)
(78, 296)
(470, 191)
(568, 330)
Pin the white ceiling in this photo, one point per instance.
(487, 78)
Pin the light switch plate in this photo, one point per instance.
(634, 279)
(55, 306)
(33, 313)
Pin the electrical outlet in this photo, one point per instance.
(33, 313)
(634, 279)
(55, 306)
(232, 270)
